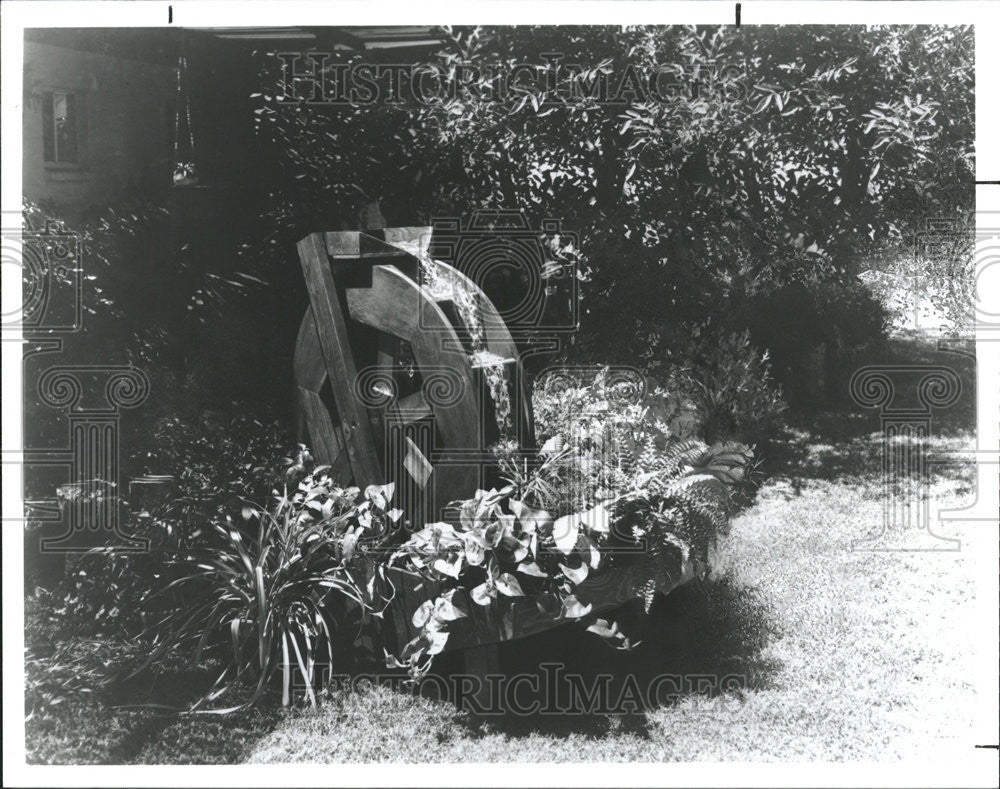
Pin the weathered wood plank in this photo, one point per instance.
(397, 304)
(398, 613)
(482, 661)
(353, 254)
(410, 409)
(357, 245)
(374, 306)
(309, 365)
(314, 425)
(325, 442)
(332, 332)
(416, 464)
(408, 235)
(387, 353)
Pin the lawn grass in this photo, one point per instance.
(865, 659)
(840, 654)
(846, 654)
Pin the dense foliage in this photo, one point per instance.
(620, 484)
(209, 462)
(768, 156)
(716, 229)
(262, 589)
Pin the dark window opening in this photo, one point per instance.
(60, 127)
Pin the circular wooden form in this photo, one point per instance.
(398, 306)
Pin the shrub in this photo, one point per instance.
(124, 252)
(730, 383)
(857, 136)
(851, 314)
(215, 457)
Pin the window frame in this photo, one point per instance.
(75, 102)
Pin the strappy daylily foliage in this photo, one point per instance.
(271, 580)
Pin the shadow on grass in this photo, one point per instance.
(842, 439)
(701, 645)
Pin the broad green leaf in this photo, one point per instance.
(531, 568)
(597, 519)
(576, 575)
(531, 520)
(438, 639)
(573, 608)
(593, 557)
(565, 531)
(602, 628)
(483, 594)
(509, 585)
(423, 614)
(475, 553)
(445, 607)
(450, 568)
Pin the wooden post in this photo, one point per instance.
(332, 330)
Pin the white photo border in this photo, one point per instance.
(976, 768)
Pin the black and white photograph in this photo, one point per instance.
(608, 391)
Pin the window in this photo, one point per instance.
(61, 127)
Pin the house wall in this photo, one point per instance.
(128, 135)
